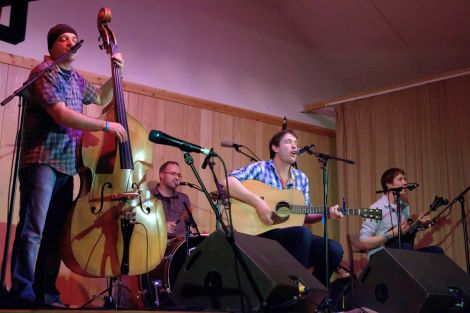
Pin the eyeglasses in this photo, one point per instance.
(174, 174)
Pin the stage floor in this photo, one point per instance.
(95, 311)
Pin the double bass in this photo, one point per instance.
(115, 226)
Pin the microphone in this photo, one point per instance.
(77, 46)
(207, 159)
(190, 185)
(160, 137)
(230, 144)
(307, 149)
(410, 186)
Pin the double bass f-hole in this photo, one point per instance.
(93, 208)
(146, 210)
(122, 197)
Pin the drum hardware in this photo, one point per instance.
(157, 285)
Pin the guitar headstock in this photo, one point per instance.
(373, 214)
(437, 202)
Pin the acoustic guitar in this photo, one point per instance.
(288, 209)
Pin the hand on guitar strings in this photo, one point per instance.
(265, 213)
(334, 213)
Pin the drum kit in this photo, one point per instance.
(156, 286)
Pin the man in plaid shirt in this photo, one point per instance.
(278, 173)
(54, 120)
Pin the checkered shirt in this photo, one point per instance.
(265, 172)
(44, 140)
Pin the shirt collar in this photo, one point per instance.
(293, 171)
(56, 68)
(157, 193)
(391, 206)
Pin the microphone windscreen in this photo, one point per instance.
(411, 186)
(225, 143)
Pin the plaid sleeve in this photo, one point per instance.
(251, 171)
(47, 90)
(306, 191)
(90, 93)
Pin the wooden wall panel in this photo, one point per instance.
(189, 120)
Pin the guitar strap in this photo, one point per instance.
(283, 183)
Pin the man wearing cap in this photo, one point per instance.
(53, 123)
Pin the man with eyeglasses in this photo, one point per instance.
(173, 201)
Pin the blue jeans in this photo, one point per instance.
(308, 249)
(46, 197)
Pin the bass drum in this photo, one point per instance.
(156, 285)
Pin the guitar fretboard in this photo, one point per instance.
(302, 209)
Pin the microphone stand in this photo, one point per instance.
(21, 93)
(220, 191)
(323, 159)
(396, 192)
(188, 223)
(252, 157)
(190, 219)
(189, 160)
(461, 199)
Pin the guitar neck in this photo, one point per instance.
(303, 209)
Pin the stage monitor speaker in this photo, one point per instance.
(213, 278)
(411, 281)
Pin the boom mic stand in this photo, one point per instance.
(461, 199)
(188, 223)
(21, 92)
(323, 159)
(221, 196)
(396, 192)
(253, 157)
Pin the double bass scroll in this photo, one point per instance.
(115, 225)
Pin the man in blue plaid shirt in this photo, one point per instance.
(53, 123)
(278, 173)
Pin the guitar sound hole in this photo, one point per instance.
(283, 210)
